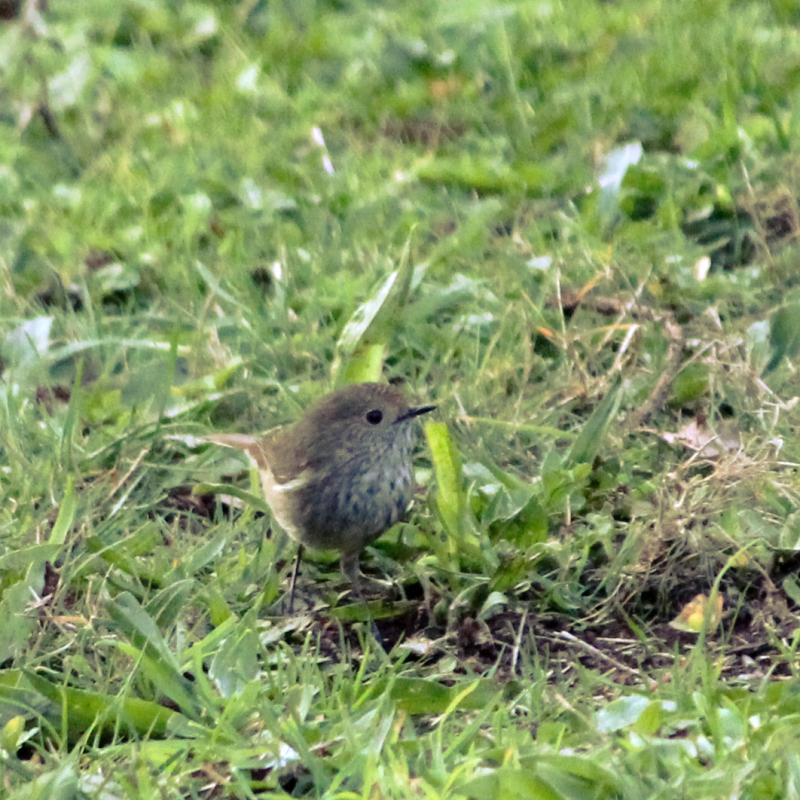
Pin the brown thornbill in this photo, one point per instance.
(341, 475)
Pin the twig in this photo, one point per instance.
(599, 654)
(518, 640)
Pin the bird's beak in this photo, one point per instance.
(414, 412)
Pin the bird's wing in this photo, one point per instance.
(284, 460)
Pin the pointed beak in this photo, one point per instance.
(414, 412)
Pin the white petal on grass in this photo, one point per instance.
(418, 645)
(701, 268)
(472, 321)
(29, 340)
(68, 196)
(247, 79)
(317, 138)
(276, 270)
(758, 332)
(696, 436)
(206, 26)
(198, 203)
(319, 141)
(189, 440)
(541, 263)
(616, 165)
(251, 194)
(65, 88)
(286, 755)
(100, 786)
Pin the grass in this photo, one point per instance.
(574, 226)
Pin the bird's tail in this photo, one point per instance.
(240, 441)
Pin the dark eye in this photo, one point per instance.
(375, 416)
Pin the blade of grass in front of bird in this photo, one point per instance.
(363, 342)
(449, 498)
(366, 364)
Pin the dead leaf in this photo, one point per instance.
(696, 436)
(692, 617)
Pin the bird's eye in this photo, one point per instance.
(375, 416)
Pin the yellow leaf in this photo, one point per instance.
(692, 617)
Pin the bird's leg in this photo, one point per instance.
(293, 581)
(351, 569)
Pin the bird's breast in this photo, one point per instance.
(346, 508)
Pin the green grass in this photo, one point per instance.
(592, 208)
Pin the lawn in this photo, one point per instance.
(573, 225)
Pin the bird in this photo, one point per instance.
(341, 474)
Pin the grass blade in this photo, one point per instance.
(586, 447)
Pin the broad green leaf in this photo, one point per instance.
(689, 385)
(213, 382)
(511, 571)
(792, 588)
(427, 696)
(199, 558)
(165, 606)
(509, 783)
(157, 660)
(450, 497)
(235, 664)
(650, 720)
(17, 696)
(11, 732)
(84, 710)
(587, 768)
(362, 343)
(784, 334)
(120, 558)
(218, 609)
(140, 628)
(621, 713)
(365, 365)
(164, 679)
(19, 618)
(26, 557)
(372, 610)
(60, 783)
(485, 175)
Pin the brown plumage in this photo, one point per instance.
(341, 475)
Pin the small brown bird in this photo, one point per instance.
(341, 475)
